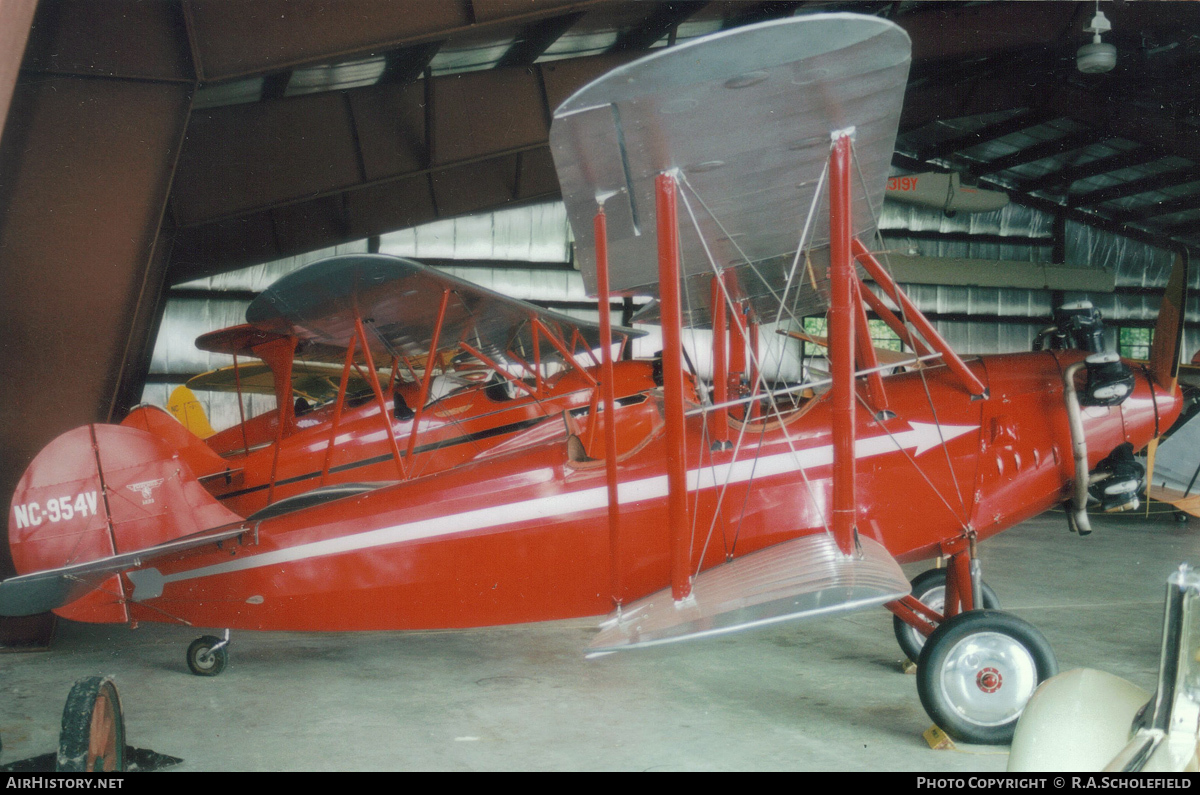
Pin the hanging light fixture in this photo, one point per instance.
(1098, 56)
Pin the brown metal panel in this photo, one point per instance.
(491, 10)
(147, 317)
(236, 38)
(952, 31)
(115, 38)
(15, 18)
(464, 189)
(385, 208)
(537, 177)
(390, 120)
(223, 246)
(242, 157)
(307, 226)
(485, 112)
(85, 167)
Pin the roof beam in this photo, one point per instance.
(1032, 154)
(968, 237)
(535, 38)
(763, 12)
(1093, 168)
(1189, 228)
(1155, 209)
(1071, 213)
(1013, 124)
(275, 85)
(936, 101)
(405, 64)
(657, 24)
(1123, 190)
(1105, 109)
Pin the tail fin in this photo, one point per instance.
(198, 455)
(99, 491)
(1167, 344)
(187, 409)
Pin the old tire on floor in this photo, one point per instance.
(92, 739)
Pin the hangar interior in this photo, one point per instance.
(162, 163)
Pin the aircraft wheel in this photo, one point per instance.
(929, 588)
(1181, 517)
(92, 739)
(978, 670)
(202, 660)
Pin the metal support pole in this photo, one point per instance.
(866, 352)
(894, 323)
(483, 357)
(752, 365)
(237, 379)
(610, 405)
(429, 360)
(919, 321)
(337, 409)
(373, 379)
(841, 344)
(720, 342)
(672, 324)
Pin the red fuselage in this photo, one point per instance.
(520, 533)
(452, 430)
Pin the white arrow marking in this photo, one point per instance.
(921, 435)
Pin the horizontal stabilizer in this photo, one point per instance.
(802, 578)
(41, 591)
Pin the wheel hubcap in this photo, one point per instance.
(988, 677)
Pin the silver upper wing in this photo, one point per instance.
(398, 301)
(745, 117)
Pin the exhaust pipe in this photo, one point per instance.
(1077, 516)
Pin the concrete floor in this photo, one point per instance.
(820, 695)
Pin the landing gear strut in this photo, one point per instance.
(976, 666)
(208, 656)
(929, 588)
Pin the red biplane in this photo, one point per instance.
(737, 178)
(422, 322)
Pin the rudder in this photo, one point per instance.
(102, 490)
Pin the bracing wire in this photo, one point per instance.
(921, 371)
(775, 409)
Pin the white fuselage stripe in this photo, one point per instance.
(592, 499)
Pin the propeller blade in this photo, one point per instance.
(1151, 450)
(1166, 345)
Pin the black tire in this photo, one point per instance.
(92, 739)
(1181, 517)
(974, 657)
(203, 661)
(929, 588)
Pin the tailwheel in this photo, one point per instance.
(977, 671)
(929, 588)
(208, 656)
(92, 739)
